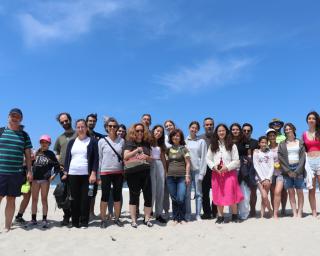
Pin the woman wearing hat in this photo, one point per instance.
(45, 161)
(277, 125)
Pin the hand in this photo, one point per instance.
(142, 157)
(29, 176)
(64, 177)
(224, 169)
(92, 178)
(266, 184)
(99, 181)
(139, 150)
(52, 178)
(188, 179)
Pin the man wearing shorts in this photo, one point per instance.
(14, 144)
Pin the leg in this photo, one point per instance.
(300, 202)
(35, 188)
(181, 195)
(253, 201)
(277, 197)
(172, 189)
(198, 194)
(312, 198)
(284, 198)
(147, 194)
(24, 204)
(9, 211)
(206, 186)
(187, 200)
(160, 189)
(44, 188)
(105, 195)
(117, 194)
(272, 189)
(292, 199)
(85, 201)
(153, 176)
(134, 191)
(75, 189)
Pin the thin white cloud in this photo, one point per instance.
(65, 20)
(209, 74)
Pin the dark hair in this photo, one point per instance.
(215, 139)
(64, 113)
(147, 115)
(84, 121)
(247, 124)
(196, 123)
(292, 127)
(160, 141)
(240, 138)
(208, 118)
(109, 120)
(173, 133)
(123, 127)
(262, 138)
(316, 115)
(95, 116)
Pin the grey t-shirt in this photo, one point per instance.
(60, 146)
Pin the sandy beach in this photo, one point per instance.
(286, 236)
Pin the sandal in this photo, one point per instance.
(148, 223)
(134, 225)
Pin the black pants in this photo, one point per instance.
(116, 180)
(140, 181)
(80, 200)
(208, 209)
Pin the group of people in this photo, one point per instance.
(161, 162)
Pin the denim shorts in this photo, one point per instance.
(297, 183)
(277, 178)
(314, 163)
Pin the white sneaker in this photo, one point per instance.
(198, 218)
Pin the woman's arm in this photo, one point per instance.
(271, 166)
(188, 164)
(302, 158)
(128, 154)
(257, 166)
(282, 156)
(203, 162)
(235, 161)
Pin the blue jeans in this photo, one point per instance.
(197, 184)
(177, 191)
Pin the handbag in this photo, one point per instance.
(133, 164)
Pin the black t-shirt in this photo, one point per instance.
(43, 164)
(131, 145)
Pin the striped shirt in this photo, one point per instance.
(12, 147)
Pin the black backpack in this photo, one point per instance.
(62, 196)
(25, 136)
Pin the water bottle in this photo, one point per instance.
(90, 191)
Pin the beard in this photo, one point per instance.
(66, 126)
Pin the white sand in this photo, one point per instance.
(287, 236)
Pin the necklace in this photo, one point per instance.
(311, 135)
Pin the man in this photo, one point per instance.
(91, 121)
(60, 148)
(277, 125)
(209, 210)
(146, 120)
(14, 144)
(251, 145)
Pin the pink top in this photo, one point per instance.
(311, 145)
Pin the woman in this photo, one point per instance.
(137, 150)
(169, 125)
(246, 167)
(45, 161)
(263, 164)
(277, 189)
(178, 174)
(223, 160)
(110, 170)
(197, 148)
(311, 140)
(158, 150)
(291, 154)
(81, 165)
(122, 131)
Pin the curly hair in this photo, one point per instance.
(215, 139)
(173, 133)
(131, 136)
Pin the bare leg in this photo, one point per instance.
(24, 203)
(35, 188)
(147, 213)
(234, 209)
(103, 210)
(220, 211)
(253, 201)
(133, 208)
(44, 188)
(117, 209)
(292, 199)
(9, 212)
(284, 199)
(300, 202)
(277, 198)
(312, 198)
(272, 191)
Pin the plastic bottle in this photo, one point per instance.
(90, 191)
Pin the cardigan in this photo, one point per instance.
(92, 155)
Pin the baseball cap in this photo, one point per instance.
(16, 111)
(270, 130)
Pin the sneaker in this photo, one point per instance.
(235, 218)
(148, 223)
(20, 220)
(64, 222)
(198, 218)
(103, 224)
(84, 226)
(220, 220)
(33, 223)
(118, 223)
(45, 224)
(161, 219)
(206, 216)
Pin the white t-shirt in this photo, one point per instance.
(79, 158)
(155, 152)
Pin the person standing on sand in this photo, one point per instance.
(14, 144)
(60, 148)
(291, 154)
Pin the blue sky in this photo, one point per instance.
(244, 61)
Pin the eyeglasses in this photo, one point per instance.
(112, 126)
(139, 131)
(64, 122)
(246, 131)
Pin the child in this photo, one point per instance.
(264, 166)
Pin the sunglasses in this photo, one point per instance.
(276, 124)
(139, 131)
(112, 126)
(247, 131)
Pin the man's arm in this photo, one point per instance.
(27, 153)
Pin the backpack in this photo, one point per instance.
(25, 135)
(62, 196)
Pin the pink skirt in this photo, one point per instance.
(225, 188)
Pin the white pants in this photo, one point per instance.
(157, 182)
